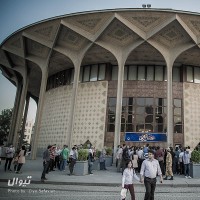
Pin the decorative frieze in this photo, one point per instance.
(119, 34)
(90, 23)
(172, 35)
(146, 21)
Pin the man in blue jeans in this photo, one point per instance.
(46, 163)
(186, 161)
(149, 170)
(64, 157)
(90, 160)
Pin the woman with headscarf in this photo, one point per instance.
(21, 158)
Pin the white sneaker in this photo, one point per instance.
(186, 177)
(189, 177)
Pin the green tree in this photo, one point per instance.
(5, 122)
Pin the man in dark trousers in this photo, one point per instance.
(159, 155)
(149, 170)
(46, 162)
(9, 157)
(73, 157)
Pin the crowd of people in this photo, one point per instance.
(55, 157)
(150, 162)
(171, 161)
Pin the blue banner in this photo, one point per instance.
(145, 137)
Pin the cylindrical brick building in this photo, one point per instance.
(101, 74)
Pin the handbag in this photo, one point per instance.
(123, 193)
(92, 159)
(70, 160)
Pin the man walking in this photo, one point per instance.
(149, 170)
(46, 162)
(10, 151)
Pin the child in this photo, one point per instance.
(127, 179)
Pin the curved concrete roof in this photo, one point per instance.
(150, 35)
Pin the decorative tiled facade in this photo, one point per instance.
(55, 117)
(191, 114)
(90, 114)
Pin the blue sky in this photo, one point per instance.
(15, 14)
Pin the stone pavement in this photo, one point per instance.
(99, 178)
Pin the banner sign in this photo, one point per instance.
(145, 137)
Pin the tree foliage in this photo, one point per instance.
(5, 122)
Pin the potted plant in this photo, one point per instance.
(195, 164)
(96, 162)
(81, 167)
(98, 153)
(109, 151)
(82, 154)
(195, 156)
(109, 158)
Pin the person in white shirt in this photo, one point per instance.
(127, 179)
(135, 160)
(149, 170)
(181, 162)
(116, 157)
(188, 149)
(119, 158)
(72, 158)
(57, 157)
(10, 151)
(186, 161)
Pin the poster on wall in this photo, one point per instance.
(145, 137)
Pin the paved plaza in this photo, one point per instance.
(100, 185)
(77, 192)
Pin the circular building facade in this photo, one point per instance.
(108, 76)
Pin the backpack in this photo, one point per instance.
(125, 154)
